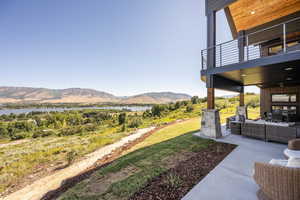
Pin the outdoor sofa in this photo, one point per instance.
(281, 134)
(254, 130)
(267, 131)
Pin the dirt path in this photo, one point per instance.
(13, 143)
(39, 188)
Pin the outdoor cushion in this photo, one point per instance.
(294, 158)
(278, 162)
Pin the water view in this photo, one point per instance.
(28, 110)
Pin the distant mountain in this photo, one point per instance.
(155, 97)
(80, 95)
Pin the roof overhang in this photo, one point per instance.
(247, 14)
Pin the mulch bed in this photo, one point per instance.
(101, 163)
(178, 181)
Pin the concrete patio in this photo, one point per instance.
(232, 178)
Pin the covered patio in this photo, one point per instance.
(233, 179)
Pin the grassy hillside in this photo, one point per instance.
(81, 132)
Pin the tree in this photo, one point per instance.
(177, 105)
(157, 110)
(122, 118)
(195, 99)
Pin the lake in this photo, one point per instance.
(28, 110)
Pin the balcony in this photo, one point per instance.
(273, 41)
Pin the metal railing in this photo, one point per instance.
(254, 45)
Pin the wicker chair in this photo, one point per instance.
(280, 133)
(254, 130)
(235, 128)
(277, 182)
(228, 120)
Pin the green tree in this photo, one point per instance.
(122, 118)
(158, 109)
(178, 105)
(195, 99)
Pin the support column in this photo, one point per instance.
(241, 109)
(241, 45)
(211, 39)
(210, 120)
(242, 99)
(210, 98)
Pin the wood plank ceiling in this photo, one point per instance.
(247, 14)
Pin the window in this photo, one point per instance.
(275, 50)
(284, 98)
(284, 108)
(279, 48)
(292, 43)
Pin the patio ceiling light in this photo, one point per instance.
(243, 75)
(288, 78)
(288, 69)
(252, 12)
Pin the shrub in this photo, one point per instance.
(70, 156)
(43, 133)
(135, 122)
(147, 114)
(189, 108)
(253, 103)
(70, 131)
(17, 135)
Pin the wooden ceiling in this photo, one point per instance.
(247, 14)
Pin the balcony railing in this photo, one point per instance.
(285, 37)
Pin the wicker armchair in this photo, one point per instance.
(254, 130)
(228, 120)
(280, 133)
(277, 182)
(235, 128)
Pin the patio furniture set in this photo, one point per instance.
(280, 179)
(281, 132)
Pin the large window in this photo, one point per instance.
(289, 109)
(287, 98)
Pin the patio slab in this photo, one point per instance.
(232, 178)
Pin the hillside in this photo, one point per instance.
(80, 95)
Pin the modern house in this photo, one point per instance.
(264, 52)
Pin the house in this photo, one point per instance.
(264, 52)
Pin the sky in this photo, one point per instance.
(124, 47)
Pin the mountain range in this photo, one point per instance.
(81, 95)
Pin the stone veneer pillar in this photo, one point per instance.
(241, 110)
(210, 123)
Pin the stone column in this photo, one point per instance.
(241, 110)
(210, 123)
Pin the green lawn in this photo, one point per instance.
(148, 159)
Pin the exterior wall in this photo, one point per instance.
(266, 102)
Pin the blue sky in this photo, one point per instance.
(120, 46)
